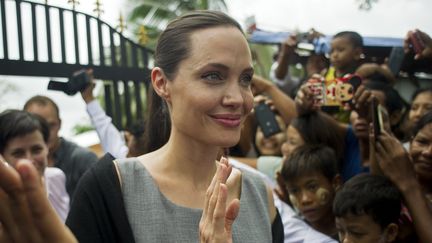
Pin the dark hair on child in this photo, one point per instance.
(425, 120)
(308, 159)
(17, 123)
(393, 100)
(368, 194)
(354, 37)
(315, 128)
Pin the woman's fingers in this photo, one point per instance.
(231, 214)
(217, 220)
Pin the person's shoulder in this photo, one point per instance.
(78, 151)
(53, 173)
(100, 172)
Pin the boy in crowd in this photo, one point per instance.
(345, 54)
(367, 209)
(311, 179)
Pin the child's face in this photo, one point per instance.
(312, 194)
(343, 54)
(271, 145)
(293, 140)
(362, 228)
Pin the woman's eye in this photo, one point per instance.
(246, 80)
(212, 76)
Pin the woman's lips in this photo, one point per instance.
(228, 120)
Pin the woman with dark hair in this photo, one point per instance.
(25, 136)
(179, 192)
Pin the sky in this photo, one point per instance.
(387, 18)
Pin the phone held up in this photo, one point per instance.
(417, 43)
(334, 95)
(266, 119)
(377, 113)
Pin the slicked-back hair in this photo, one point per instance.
(18, 123)
(372, 195)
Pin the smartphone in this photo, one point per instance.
(266, 119)
(396, 59)
(416, 42)
(377, 117)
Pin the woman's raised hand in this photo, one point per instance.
(218, 218)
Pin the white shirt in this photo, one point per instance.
(110, 138)
(55, 185)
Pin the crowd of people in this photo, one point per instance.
(350, 162)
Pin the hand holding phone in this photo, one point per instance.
(376, 117)
(266, 119)
(416, 41)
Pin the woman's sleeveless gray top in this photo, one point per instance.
(154, 218)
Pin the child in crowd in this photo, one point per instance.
(367, 209)
(311, 179)
(345, 54)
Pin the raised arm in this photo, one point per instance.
(397, 166)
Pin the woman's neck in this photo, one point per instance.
(187, 159)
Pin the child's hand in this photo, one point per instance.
(288, 46)
(304, 100)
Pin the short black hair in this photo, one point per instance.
(373, 195)
(17, 123)
(354, 37)
(424, 121)
(310, 158)
(43, 101)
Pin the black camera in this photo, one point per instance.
(77, 82)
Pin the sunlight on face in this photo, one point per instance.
(210, 96)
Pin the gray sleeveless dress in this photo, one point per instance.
(154, 218)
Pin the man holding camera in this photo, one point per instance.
(72, 159)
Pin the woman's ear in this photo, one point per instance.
(160, 83)
(391, 232)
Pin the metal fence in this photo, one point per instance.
(55, 42)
